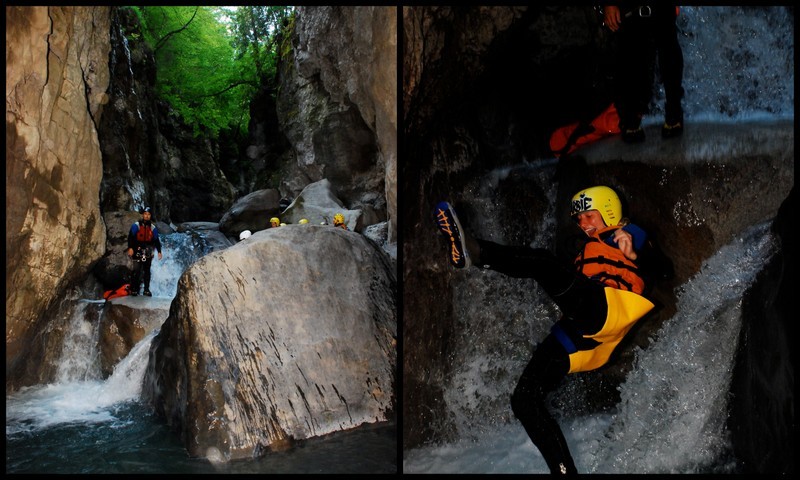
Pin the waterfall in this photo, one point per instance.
(78, 354)
(79, 394)
(738, 64)
(180, 251)
(673, 408)
(133, 182)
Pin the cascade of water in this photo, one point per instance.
(130, 71)
(673, 408)
(79, 393)
(180, 251)
(738, 64)
(85, 401)
(125, 383)
(79, 353)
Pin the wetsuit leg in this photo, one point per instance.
(146, 267)
(136, 276)
(670, 60)
(579, 298)
(634, 78)
(544, 372)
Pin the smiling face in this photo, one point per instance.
(590, 221)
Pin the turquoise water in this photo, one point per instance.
(133, 440)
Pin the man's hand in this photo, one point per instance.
(130, 252)
(625, 243)
(611, 17)
(159, 255)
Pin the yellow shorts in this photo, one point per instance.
(624, 310)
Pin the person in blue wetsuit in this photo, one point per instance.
(142, 240)
(601, 296)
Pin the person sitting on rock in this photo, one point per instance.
(600, 296)
(142, 239)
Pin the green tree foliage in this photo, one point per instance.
(208, 67)
(257, 32)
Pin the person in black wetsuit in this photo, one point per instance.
(642, 33)
(142, 240)
(601, 296)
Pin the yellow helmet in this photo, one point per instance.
(600, 198)
(274, 220)
(338, 219)
(303, 221)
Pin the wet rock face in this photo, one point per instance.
(763, 378)
(56, 81)
(337, 103)
(124, 322)
(238, 368)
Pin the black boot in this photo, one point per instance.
(673, 122)
(631, 129)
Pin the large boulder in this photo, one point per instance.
(287, 335)
(251, 212)
(318, 204)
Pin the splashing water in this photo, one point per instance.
(75, 401)
(738, 64)
(673, 408)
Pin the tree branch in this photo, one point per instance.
(234, 85)
(163, 40)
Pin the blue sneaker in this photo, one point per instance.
(447, 222)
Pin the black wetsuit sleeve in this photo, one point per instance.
(156, 240)
(132, 238)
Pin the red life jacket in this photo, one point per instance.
(120, 292)
(608, 264)
(567, 138)
(145, 234)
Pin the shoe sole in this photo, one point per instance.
(458, 250)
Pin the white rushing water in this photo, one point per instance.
(78, 401)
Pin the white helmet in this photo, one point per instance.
(244, 234)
